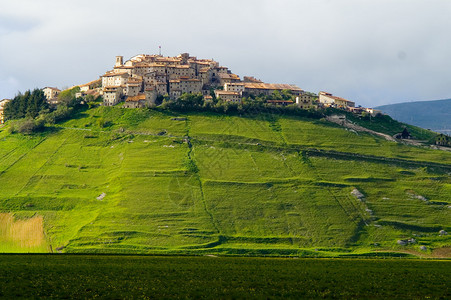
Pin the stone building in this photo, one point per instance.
(137, 101)
(2, 105)
(305, 101)
(234, 87)
(51, 94)
(228, 96)
(225, 78)
(112, 78)
(112, 95)
(443, 140)
(90, 85)
(328, 99)
(184, 85)
(153, 75)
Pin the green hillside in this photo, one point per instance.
(147, 181)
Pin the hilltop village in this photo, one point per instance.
(141, 80)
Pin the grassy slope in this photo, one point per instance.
(245, 185)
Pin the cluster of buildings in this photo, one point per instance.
(328, 100)
(141, 79)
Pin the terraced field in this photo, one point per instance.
(210, 183)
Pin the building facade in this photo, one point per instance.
(328, 99)
(51, 94)
(2, 105)
(154, 75)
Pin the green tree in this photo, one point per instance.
(30, 105)
(67, 97)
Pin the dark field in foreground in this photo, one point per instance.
(105, 276)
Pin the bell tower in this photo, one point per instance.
(119, 61)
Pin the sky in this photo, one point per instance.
(373, 52)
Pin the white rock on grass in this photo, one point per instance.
(422, 198)
(443, 232)
(356, 193)
(101, 196)
(423, 248)
(406, 242)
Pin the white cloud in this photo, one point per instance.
(373, 52)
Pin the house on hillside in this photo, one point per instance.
(328, 99)
(305, 101)
(91, 85)
(51, 94)
(373, 112)
(405, 134)
(2, 105)
(135, 101)
(228, 96)
(443, 140)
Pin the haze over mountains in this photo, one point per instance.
(434, 115)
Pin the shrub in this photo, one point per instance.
(27, 126)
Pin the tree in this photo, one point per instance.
(67, 97)
(30, 105)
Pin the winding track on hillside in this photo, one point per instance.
(342, 121)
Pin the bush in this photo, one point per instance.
(27, 126)
(62, 113)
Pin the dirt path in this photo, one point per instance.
(341, 120)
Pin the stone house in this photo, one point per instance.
(90, 85)
(111, 78)
(2, 118)
(2, 106)
(51, 94)
(228, 96)
(305, 101)
(234, 87)
(133, 87)
(443, 140)
(112, 95)
(184, 85)
(405, 134)
(225, 78)
(137, 101)
(330, 100)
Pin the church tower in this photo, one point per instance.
(119, 61)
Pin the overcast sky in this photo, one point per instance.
(373, 52)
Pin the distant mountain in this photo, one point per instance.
(434, 115)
